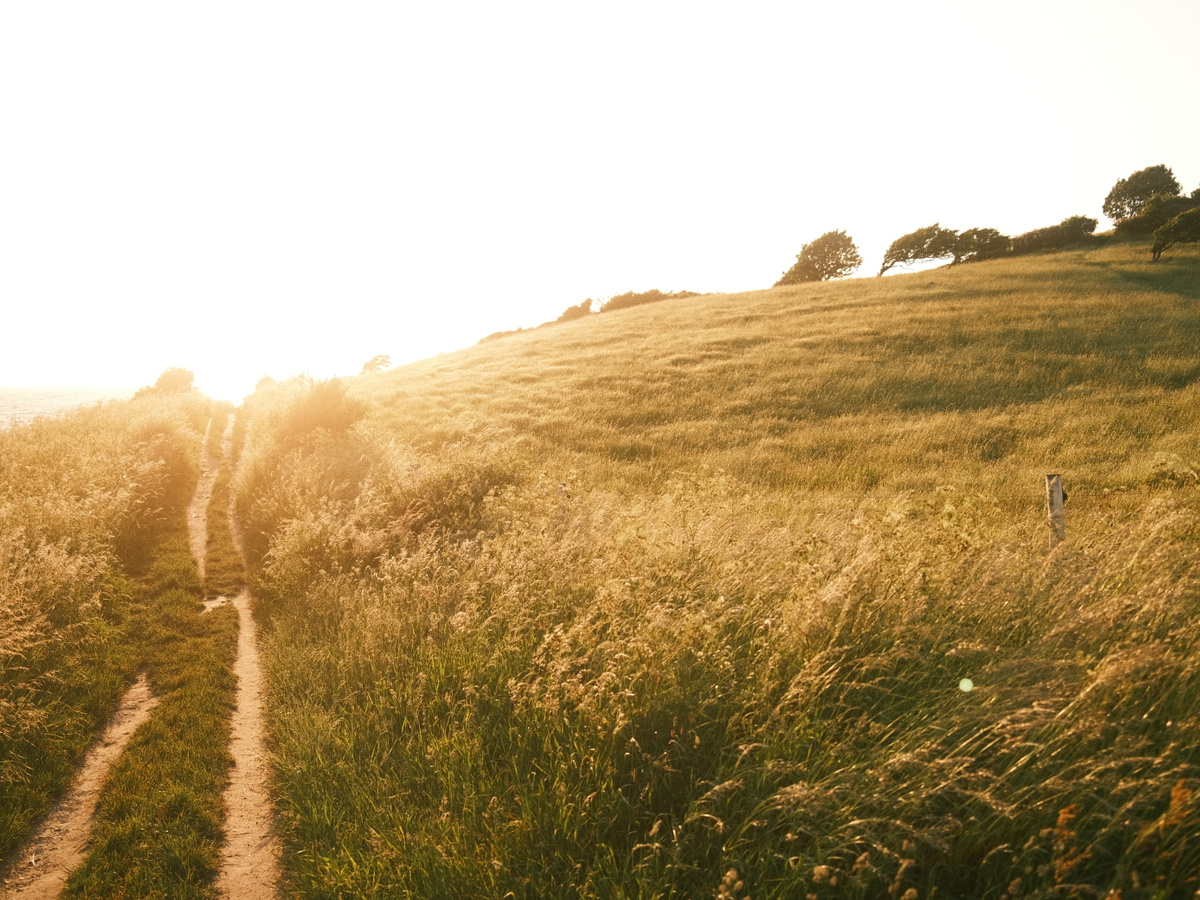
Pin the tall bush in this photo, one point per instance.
(1069, 231)
(633, 298)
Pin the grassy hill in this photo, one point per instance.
(620, 607)
(770, 384)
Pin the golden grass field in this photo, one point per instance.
(735, 595)
(677, 602)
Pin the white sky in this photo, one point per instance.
(251, 188)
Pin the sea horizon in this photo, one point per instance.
(20, 404)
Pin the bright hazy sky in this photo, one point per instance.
(251, 188)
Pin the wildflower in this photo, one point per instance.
(731, 887)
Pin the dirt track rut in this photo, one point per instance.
(250, 856)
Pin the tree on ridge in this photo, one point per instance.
(376, 364)
(1183, 229)
(930, 242)
(1129, 195)
(832, 255)
(976, 244)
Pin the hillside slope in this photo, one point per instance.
(1027, 360)
(754, 582)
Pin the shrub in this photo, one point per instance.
(496, 335)
(324, 406)
(632, 298)
(1073, 230)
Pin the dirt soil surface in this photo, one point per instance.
(197, 516)
(250, 856)
(60, 842)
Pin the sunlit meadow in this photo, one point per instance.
(749, 595)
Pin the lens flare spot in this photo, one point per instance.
(966, 685)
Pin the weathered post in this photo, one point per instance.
(1055, 497)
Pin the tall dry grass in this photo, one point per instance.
(79, 494)
(680, 602)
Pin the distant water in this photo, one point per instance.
(19, 405)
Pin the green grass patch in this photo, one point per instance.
(223, 574)
(221, 411)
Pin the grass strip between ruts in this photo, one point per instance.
(223, 564)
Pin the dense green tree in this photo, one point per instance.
(930, 242)
(1157, 211)
(832, 255)
(1129, 195)
(980, 243)
(1183, 229)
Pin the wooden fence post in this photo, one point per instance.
(1055, 497)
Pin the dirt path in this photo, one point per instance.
(60, 843)
(197, 515)
(250, 856)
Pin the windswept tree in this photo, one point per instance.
(832, 255)
(1129, 195)
(930, 242)
(579, 311)
(976, 244)
(1183, 229)
(376, 364)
